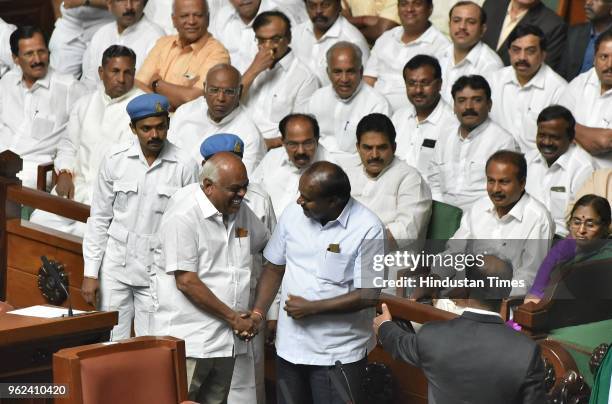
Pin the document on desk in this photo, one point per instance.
(44, 311)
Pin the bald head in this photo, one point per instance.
(222, 91)
(224, 180)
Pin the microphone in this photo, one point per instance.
(51, 270)
(344, 395)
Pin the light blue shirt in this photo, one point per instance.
(315, 273)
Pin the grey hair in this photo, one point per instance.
(209, 170)
(344, 45)
(204, 2)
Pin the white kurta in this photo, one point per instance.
(556, 186)
(191, 125)
(516, 108)
(140, 37)
(34, 119)
(390, 54)
(279, 91)
(457, 172)
(312, 51)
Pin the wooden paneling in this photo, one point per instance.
(29, 12)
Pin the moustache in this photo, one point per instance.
(301, 157)
(607, 71)
(522, 63)
(129, 14)
(469, 112)
(320, 18)
(548, 149)
(376, 160)
(155, 141)
(498, 195)
(35, 65)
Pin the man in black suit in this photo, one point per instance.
(474, 358)
(505, 13)
(580, 45)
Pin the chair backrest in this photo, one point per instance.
(444, 222)
(136, 370)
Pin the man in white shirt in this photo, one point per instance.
(339, 106)
(457, 172)
(131, 28)
(589, 97)
(398, 45)
(6, 57)
(217, 111)
(35, 103)
(97, 122)
(525, 88)
(467, 54)
(420, 124)
(508, 223)
(280, 170)
(557, 170)
(203, 274)
(73, 32)
(276, 83)
(321, 251)
(392, 189)
(326, 26)
(134, 185)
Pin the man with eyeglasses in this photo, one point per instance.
(340, 105)
(558, 168)
(217, 111)
(415, 36)
(276, 83)
(420, 124)
(280, 170)
(326, 26)
(177, 64)
(521, 91)
(35, 103)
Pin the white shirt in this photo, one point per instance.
(140, 37)
(523, 237)
(194, 239)
(97, 122)
(416, 140)
(480, 60)
(6, 56)
(236, 36)
(277, 92)
(457, 172)
(128, 201)
(390, 54)
(312, 52)
(590, 108)
(399, 196)
(191, 125)
(280, 177)
(516, 108)
(33, 119)
(314, 273)
(557, 185)
(338, 118)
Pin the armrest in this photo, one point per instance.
(508, 303)
(41, 179)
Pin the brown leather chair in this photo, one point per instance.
(134, 371)
(4, 307)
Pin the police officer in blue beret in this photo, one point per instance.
(134, 184)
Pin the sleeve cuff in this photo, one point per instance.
(91, 269)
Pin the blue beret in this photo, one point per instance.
(147, 105)
(221, 142)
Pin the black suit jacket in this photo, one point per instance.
(577, 40)
(550, 23)
(474, 358)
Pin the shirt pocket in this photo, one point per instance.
(333, 267)
(476, 175)
(122, 190)
(164, 193)
(558, 201)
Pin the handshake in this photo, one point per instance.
(246, 325)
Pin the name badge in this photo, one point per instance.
(241, 232)
(335, 248)
(557, 189)
(431, 143)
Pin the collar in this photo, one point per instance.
(196, 46)
(167, 153)
(332, 32)
(521, 15)
(107, 100)
(132, 27)
(206, 206)
(563, 160)
(343, 218)
(593, 80)
(537, 81)
(286, 61)
(517, 211)
(427, 37)
(434, 116)
(480, 315)
(594, 34)
(349, 99)
(471, 58)
(224, 121)
(380, 175)
(475, 132)
(45, 82)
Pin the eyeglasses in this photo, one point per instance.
(422, 83)
(589, 224)
(230, 92)
(275, 40)
(307, 144)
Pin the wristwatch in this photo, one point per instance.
(154, 85)
(87, 3)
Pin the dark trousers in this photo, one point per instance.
(309, 384)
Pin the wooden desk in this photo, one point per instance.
(27, 344)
